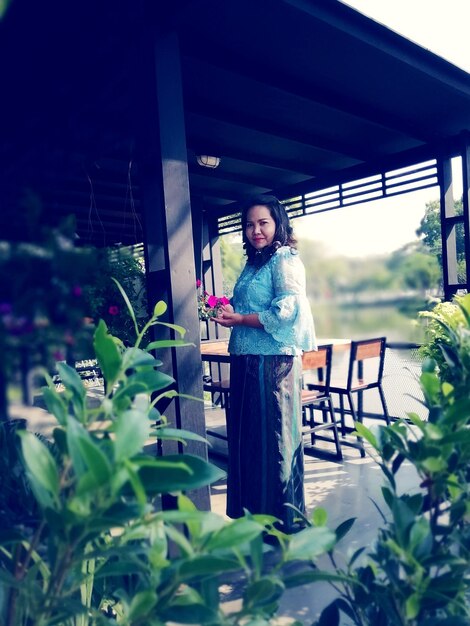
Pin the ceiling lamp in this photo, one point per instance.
(208, 161)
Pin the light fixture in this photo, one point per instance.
(208, 161)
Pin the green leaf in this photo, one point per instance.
(128, 304)
(96, 460)
(329, 616)
(71, 379)
(132, 429)
(388, 496)
(159, 308)
(403, 517)
(179, 472)
(204, 565)
(168, 343)
(136, 357)
(344, 528)
(310, 543)
(107, 353)
(421, 540)
(55, 404)
(364, 432)
(74, 384)
(319, 517)
(236, 533)
(412, 606)
(178, 434)
(434, 464)
(123, 567)
(263, 591)
(416, 420)
(151, 379)
(40, 462)
(431, 387)
(187, 506)
(136, 484)
(429, 365)
(74, 433)
(179, 329)
(141, 605)
(182, 613)
(433, 432)
(86, 455)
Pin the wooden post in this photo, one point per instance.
(448, 229)
(169, 251)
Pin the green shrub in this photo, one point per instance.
(417, 573)
(447, 341)
(98, 548)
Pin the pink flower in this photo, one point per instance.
(198, 283)
(223, 300)
(212, 301)
(113, 309)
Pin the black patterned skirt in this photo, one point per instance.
(265, 458)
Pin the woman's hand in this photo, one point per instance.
(227, 317)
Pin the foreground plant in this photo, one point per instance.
(418, 570)
(96, 548)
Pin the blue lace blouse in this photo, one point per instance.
(276, 291)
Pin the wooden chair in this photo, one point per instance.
(220, 392)
(358, 381)
(316, 367)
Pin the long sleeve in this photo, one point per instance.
(277, 293)
(289, 318)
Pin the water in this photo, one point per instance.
(396, 322)
(402, 366)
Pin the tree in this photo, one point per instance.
(421, 271)
(430, 232)
(232, 260)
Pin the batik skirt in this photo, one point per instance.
(265, 458)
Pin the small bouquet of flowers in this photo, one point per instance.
(208, 306)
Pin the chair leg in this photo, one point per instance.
(339, 454)
(356, 418)
(384, 405)
(341, 411)
(312, 424)
(304, 416)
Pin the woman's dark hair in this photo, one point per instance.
(284, 235)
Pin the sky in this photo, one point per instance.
(442, 27)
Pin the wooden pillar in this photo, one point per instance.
(448, 228)
(169, 251)
(466, 205)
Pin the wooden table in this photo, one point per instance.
(215, 351)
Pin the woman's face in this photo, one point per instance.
(260, 227)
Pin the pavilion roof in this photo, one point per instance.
(292, 95)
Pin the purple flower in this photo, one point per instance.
(5, 308)
(113, 309)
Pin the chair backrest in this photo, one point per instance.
(361, 351)
(319, 362)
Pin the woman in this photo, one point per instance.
(271, 325)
